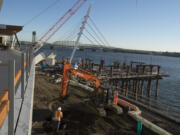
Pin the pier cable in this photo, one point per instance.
(61, 21)
(68, 34)
(72, 30)
(73, 37)
(102, 42)
(72, 33)
(41, 12)
(99, 31)
(92, 36)
(88, 39)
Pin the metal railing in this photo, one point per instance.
(14, 80)
(154, 104)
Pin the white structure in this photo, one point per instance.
(50, 60)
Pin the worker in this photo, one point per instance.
(76, 66)
(57, 118)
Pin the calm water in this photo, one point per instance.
(169, 87)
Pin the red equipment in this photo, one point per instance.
(81, 73)
(61, 21)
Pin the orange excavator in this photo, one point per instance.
(80, 73)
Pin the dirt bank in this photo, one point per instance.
(79, 117)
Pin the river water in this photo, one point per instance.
(169, 87)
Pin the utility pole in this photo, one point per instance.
(80, 33)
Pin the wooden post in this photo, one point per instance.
(82, 63)
(128, 70)
(92, 66)
(142, 87)
(130, 85)
(124, 65)
(86, 64)
(111, 71)
(122, 87)
(136, 89)
(157, 85)
(144, 67)
(102, 64)
(131, 66)
(134, 82)
(157, 81)
(151, 69)
(137, 69)
(149, 87)
(127, 85)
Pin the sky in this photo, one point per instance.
(142, 24)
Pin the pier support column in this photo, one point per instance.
(127, 86)
(157, 85)
(134, 86)
(92, 66)
(111, 71)
(82, 61)
(157, 81)
(136, 89)
(131, 66)
(149, 87)
(122, 87)
(142, 87)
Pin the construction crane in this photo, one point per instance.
(81, 73)
(76, 6)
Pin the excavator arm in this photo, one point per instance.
(88, 77)
(83, 74)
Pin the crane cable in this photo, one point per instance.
(41, 12)
(92, 36)
(102, 42)
(88, 39)
(71, 12)
(99, 31)
(73, 32)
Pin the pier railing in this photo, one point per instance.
(15, 80)
(153, 105)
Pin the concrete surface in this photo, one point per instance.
(25, 119)
(5, 56)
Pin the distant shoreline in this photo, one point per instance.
(112, 49)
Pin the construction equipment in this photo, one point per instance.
(45, 38)
(80, 73)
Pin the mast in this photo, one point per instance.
(80, 33)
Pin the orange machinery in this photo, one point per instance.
(81, 73)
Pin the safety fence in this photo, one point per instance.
(154, 105)
(15, 80)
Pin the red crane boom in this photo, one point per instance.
(61, 21)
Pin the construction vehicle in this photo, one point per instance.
(85, 75)
(80, 73)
